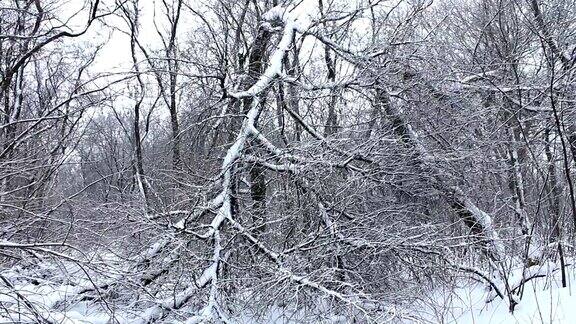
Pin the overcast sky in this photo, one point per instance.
(115, 55)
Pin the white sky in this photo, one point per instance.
(115, 55)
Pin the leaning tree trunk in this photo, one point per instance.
(479, 222)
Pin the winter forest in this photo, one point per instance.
(287, 161)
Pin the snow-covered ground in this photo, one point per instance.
(42, 293)
(538, 305)
(543, 301)
(49, 292)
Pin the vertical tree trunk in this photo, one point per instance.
(176, 158)
(173, 68)
(380, 101)
(133, 18)
(332, 119)
(516, 180)
(257, 172)
(331, 126)
(572, 140)
(567, 64)
(293, 68)
(554, 194)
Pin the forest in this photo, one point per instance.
(287, 161)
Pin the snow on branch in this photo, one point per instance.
(223, 199)
(209, 275)
(354, 301)
(274, 68)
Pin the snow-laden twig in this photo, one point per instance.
(335, 231)
(31, 308)
(351, 300)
